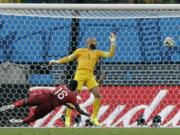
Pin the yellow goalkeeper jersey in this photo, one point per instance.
(87, 58)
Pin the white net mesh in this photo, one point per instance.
(142, 77)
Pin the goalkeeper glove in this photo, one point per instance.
(53, 62)
(113, 37)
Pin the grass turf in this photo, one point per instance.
(89, 131)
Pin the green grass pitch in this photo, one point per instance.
(89, 131)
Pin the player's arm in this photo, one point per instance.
(81, 111)
(70, 106)
(112, 48)
(65, 59)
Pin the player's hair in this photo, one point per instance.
(72, 85)
(91, 39)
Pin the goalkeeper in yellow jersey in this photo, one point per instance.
(87, 58)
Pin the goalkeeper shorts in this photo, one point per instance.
(85, 78)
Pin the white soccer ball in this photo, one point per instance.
(169, 42)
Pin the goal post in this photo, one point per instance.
(141, 81)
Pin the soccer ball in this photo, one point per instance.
(169, 42)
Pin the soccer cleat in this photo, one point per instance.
(7, 107)
(95, 122)
(67, 122)
(16, 121)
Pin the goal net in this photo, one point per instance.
(140, 82)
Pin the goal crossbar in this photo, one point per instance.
(93, 6)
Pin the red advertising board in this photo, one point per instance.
(122, 105)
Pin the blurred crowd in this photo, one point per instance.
(89, 1)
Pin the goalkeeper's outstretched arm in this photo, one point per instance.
(112, 48)
(65, 59)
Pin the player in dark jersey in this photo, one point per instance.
(46, 102)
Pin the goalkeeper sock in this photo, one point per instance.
(68, 117)
(96, 106)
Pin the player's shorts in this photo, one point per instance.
(44, 103)
(85, 78)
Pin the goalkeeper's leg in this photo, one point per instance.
(96, 105)
(81, 79)
(68, 117)
(68, 114)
